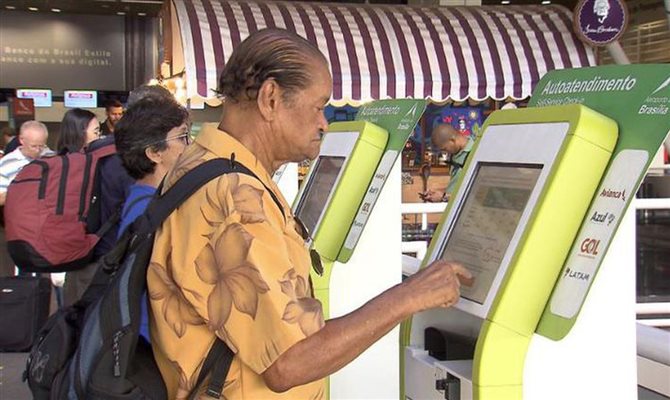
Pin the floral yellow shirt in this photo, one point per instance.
(229, 263)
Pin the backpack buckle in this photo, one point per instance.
(211, 392)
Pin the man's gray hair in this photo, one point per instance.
(34, 125)
(269, 53)
(148, 92)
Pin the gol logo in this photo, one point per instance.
(590, 246)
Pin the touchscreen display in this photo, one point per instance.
(487, 221)
(321, 183)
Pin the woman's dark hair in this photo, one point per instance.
(268, 53)
(73, 130)
(146, 125)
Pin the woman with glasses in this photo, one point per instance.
(78, 129)
(149, 138)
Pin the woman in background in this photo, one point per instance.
(78, 129)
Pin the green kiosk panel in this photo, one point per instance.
(520, 201)
(334, 187)
(337, 181)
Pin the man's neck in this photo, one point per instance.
(247, 128)
(110, 125)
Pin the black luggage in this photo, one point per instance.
(24, 306)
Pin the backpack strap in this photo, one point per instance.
(218, 361)
(220, 356)
(163, 205)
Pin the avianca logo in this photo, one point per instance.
(614, 194)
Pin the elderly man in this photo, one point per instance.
(231, 263)
(33, 139)
(446, 138)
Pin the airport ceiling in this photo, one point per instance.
(152, 7)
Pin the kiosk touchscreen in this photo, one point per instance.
(334, 188)
(523, 195)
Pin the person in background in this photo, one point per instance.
(11, 140)
(8, 135)
(78, 128)
(149, 139)
(114, 111)
(33, 137)
(114, 188)
(231, 263)
(446, 138)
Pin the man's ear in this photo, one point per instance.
(153, 155)
(269, 96)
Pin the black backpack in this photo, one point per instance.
(93, 349)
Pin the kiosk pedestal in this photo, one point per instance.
(374, 267)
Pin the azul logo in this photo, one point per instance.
(589, 247)
(582, 276)
(614, 194)
(601, 218)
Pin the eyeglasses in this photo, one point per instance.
(313, 254)
(184, 138)
(38, 147)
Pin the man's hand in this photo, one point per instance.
(3, 197)
(343, 339)
(431, 196)
(438, 285)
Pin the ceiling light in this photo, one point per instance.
(120, 13)
(505, 2)
(546, 2)
(56, 10)
(142, 14)
(10, 7)
(33, 8)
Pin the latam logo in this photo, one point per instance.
(580, 276)
(589, 247)
(603, 218)
(614, 194)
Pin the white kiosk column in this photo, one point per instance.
(374, 267)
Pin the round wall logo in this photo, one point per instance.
(599, 22)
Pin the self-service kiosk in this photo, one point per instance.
(333, 190)
(520, 202)
(333, 204)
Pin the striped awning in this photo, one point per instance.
(378, 51)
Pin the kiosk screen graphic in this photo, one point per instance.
(319, 187)
(487, 220)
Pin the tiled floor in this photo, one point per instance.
(11, 369)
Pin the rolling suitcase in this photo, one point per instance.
(24, 307)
